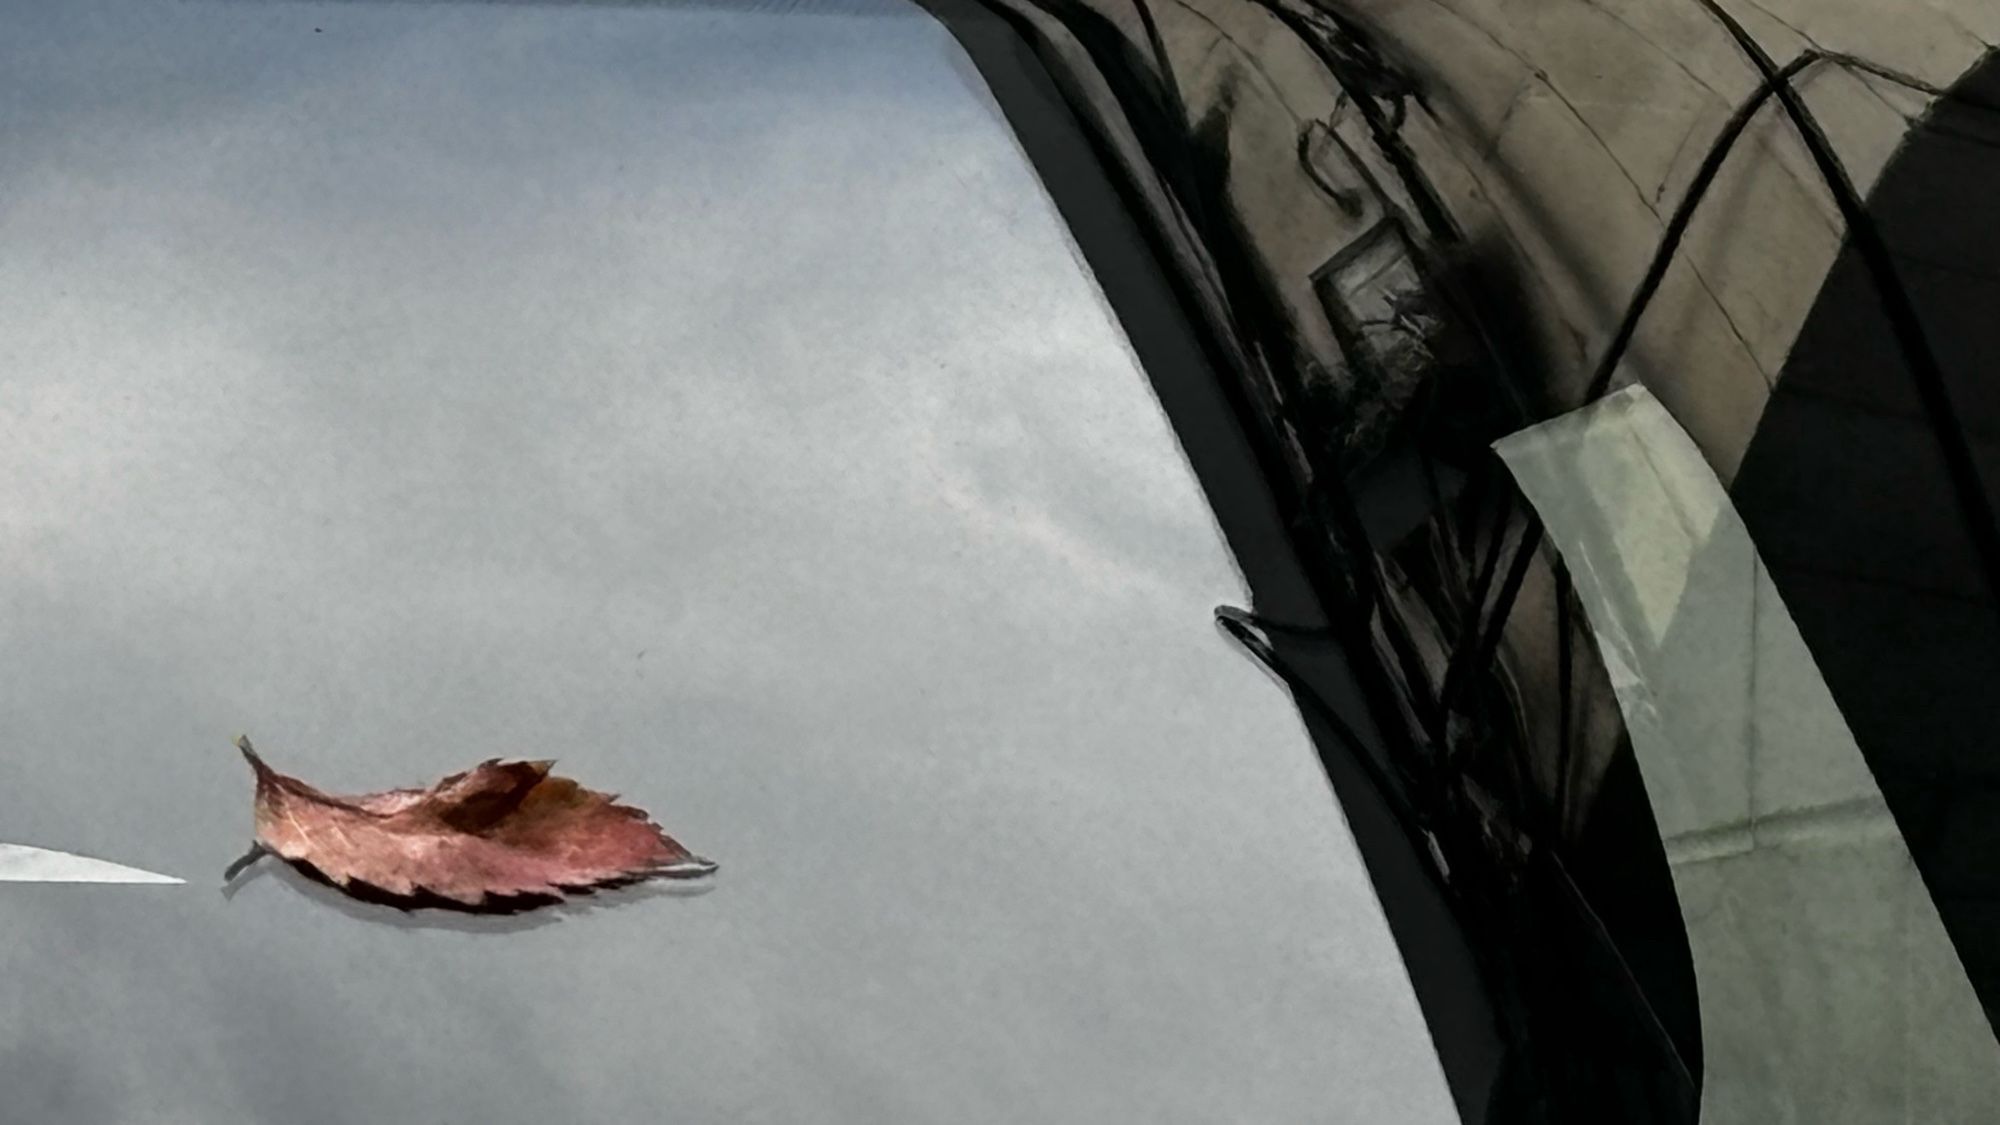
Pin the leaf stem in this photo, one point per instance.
(243, 862)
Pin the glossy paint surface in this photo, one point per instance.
(708, 399)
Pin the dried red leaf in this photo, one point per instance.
(501, 830)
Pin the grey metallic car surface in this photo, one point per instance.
(704, 397)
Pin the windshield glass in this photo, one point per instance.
(706, 398)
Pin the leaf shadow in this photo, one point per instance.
(504, 915)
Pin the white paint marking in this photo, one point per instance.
(20, 863)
